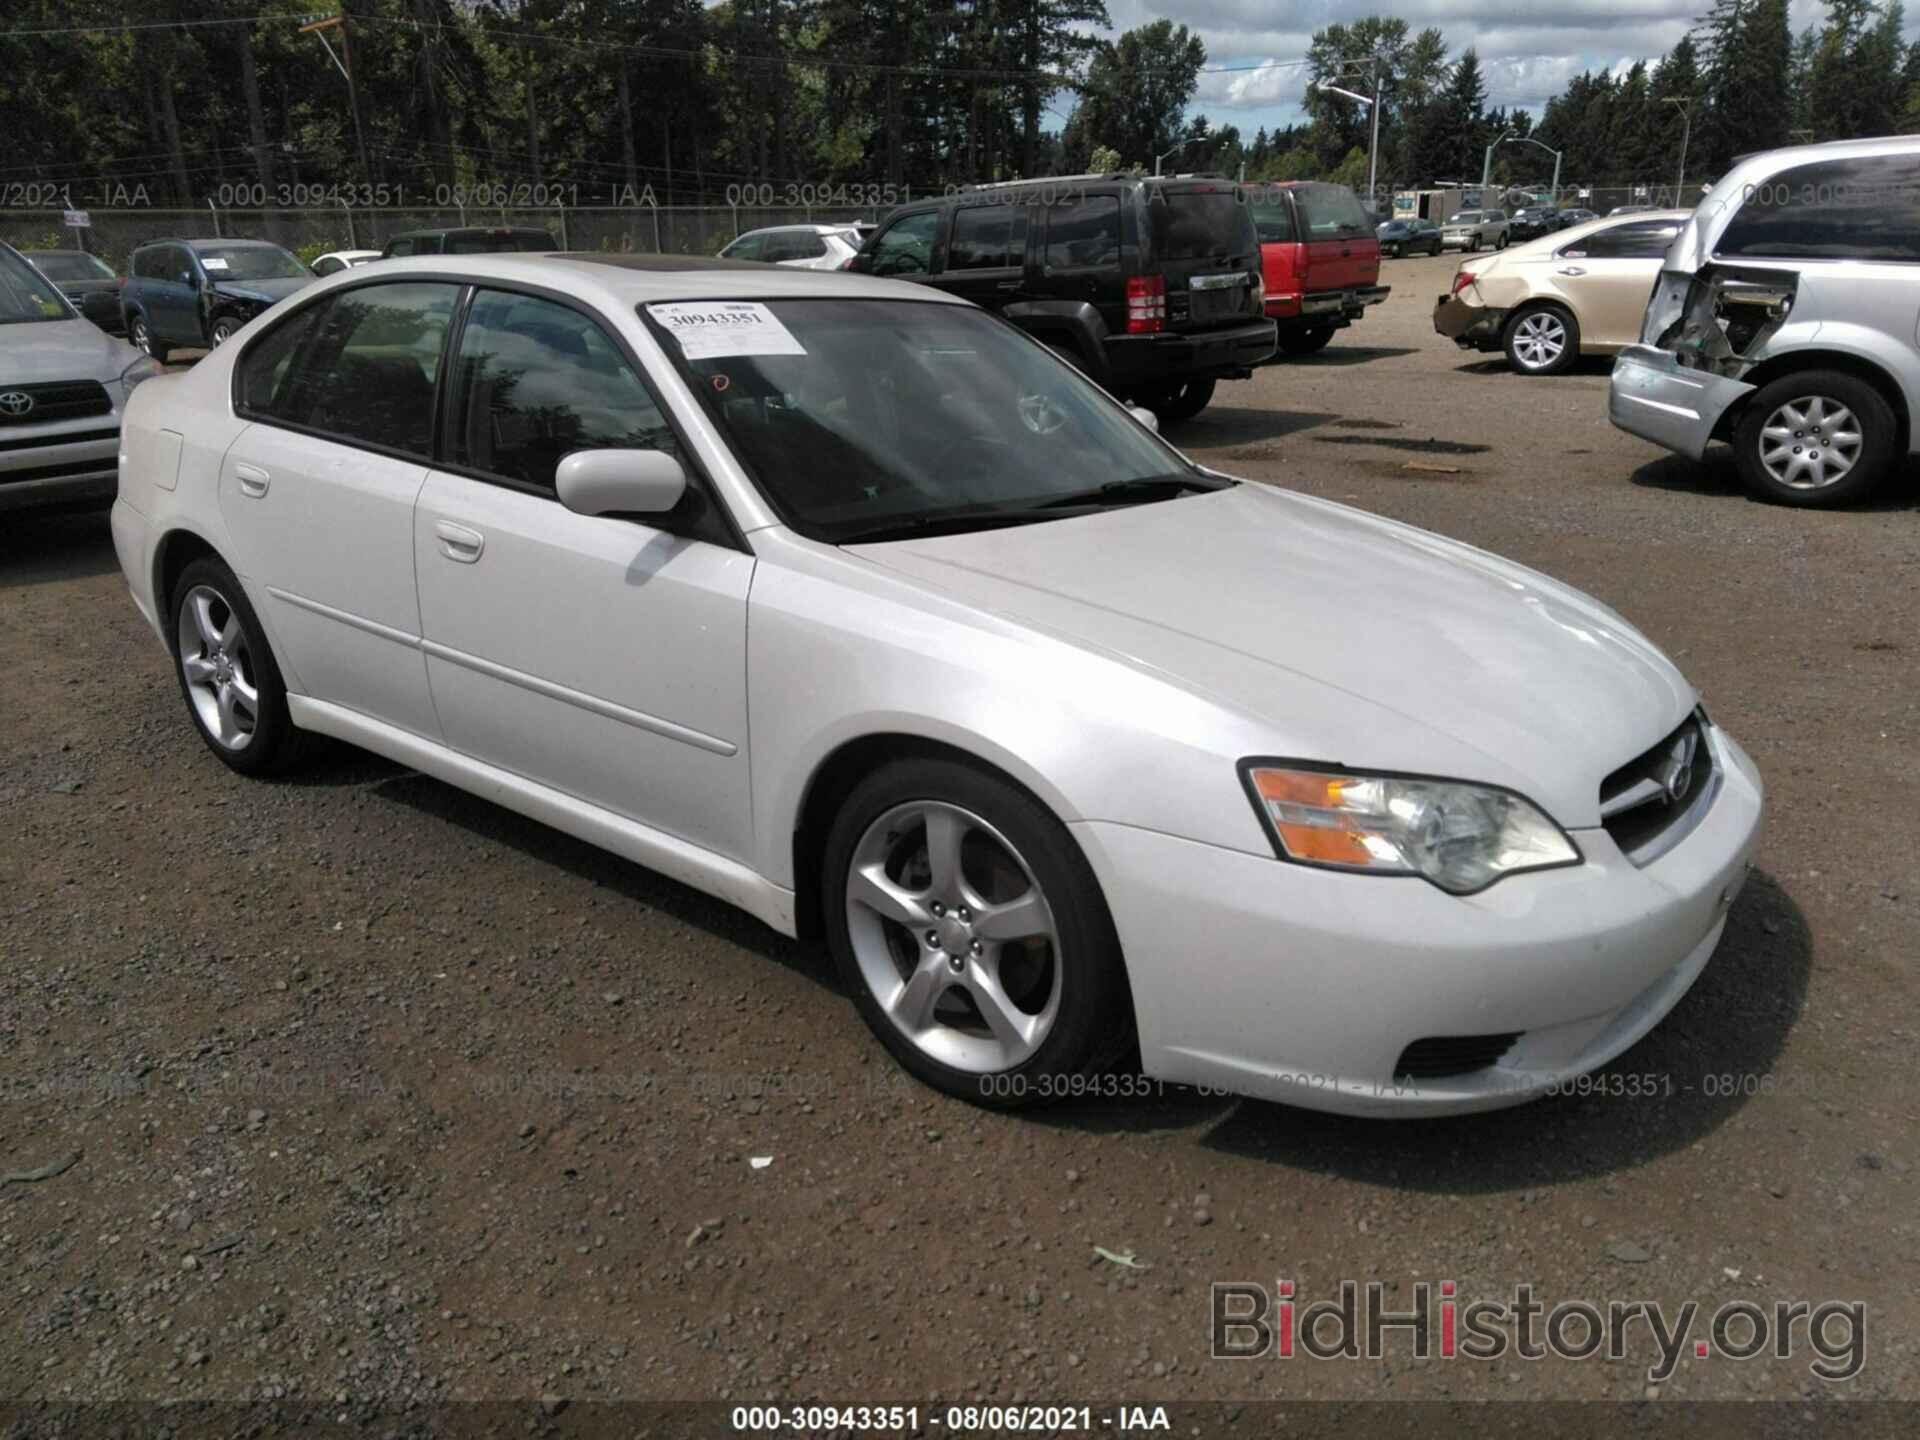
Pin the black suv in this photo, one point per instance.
(196, 293)
(1530, 222)
(1152, 286)
(467, 240)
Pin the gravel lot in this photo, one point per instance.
(381, 1094)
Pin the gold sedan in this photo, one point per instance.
(1579, 291)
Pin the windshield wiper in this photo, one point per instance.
(1136, 492)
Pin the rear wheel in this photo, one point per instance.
(1542, 340)
(1306, 342)
(1173, 403)
(228, 675)
(972, 934)
(1814, 439)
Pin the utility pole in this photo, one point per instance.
(1686, 133)
(339, 22)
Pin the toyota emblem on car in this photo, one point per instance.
(16, 402)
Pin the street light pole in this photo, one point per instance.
(1686, 133)
(1486, 164)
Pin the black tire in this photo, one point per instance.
(1306, 342)
(1172, 404)
(1875, 424)
(1393, 252)
(1526, 340)
(1501, 243)
(1092, 1023)
(1473, 243)
(140, 336)
(222, 330)
(273, 743)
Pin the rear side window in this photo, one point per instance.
(1864, 208)
(538, 380)
(400, 247)
(1330, 210)
(1201, 225)
(747, 247)
(1273, 218)
(1084, 233)
(988, 237)
(1644, 240)
(794, 245)
(906, 246)
(361, 365)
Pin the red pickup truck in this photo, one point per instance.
(1319, 257)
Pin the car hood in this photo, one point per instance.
(61, 350)
(267, 290)
(1256, 597)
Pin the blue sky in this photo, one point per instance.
(1529, 48)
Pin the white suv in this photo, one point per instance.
(803, 247)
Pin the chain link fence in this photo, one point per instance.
(643, 229)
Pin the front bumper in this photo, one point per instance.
(55, 470)
(1303, 986)
(1229, 352)
(1653, 396)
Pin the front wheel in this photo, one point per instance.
(228, 675)
(222, 331)
(973, 936)
(1501, 242)
(141, 334)
(1306, 342)
(1473, 245)
(1814, 439)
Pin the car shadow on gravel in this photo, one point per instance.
(1336, 355)
(1718, 475)
(1600, 365)
(1719, 1048)
(555, 848)
(1219, 425)
(48, 545)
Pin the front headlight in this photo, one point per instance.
(142, 369)
(1461, 837)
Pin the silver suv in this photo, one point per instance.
(1783, 321)
(1476, 230)
(63, 385)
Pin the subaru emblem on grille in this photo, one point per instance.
(16, 402)
(1677, 776)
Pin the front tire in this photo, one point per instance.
(1815, 438)
(1542, 340)
(972, 935)
(222, 331)
(227, 673)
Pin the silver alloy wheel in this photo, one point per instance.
(953, 936)
(1540, 339)
(218, 666)
(222, 331)
(142, 339)
(1810, 443)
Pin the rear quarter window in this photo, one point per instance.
(1201, 225)
(1330, 210)
(1083, 233)
(1860, 208)
(1273, 218)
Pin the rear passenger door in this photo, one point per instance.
(1609, 274)
(986, 254)
(1080, 256)
(318, 492)
(602, 656)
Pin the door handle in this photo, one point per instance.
(1007, 285)
(253, 480)
(459, 543)
(1573, 270)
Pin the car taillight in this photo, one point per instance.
(1461, 280)
(1146, 304)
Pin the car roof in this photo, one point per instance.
(1607, 222)
(471, 230)
(844, 225)
(205, 240)
(624, 280)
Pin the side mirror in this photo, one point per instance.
(861, 264)
(620, 482)
(1145, 416)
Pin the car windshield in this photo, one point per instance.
(26, 294)
(250, 262)
(878, 419)
(1201, 225)
(72, 266)
(1467, 217)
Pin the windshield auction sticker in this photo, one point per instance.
(712, 330)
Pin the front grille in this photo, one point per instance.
(1440, 1056)
(66, 437)
(105, 465)
(1652, 802)
(55, 400)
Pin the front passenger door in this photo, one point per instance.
(602, 656)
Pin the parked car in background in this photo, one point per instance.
(1546, 303)
(195, 294)
(1631, 210)
(1409, 236)
(1783, 322)
(1530, 222)
(1150, 285)
(334, 261)
(1320, 260)
(63, 385)
(845, 603)
(88, 281)
(1476, 230)
(469, 240)
(1576, 216)
(805, 247)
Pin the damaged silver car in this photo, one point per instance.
(1784, 322)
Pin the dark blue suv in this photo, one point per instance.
(193, 294)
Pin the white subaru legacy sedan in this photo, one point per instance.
(844, 601)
